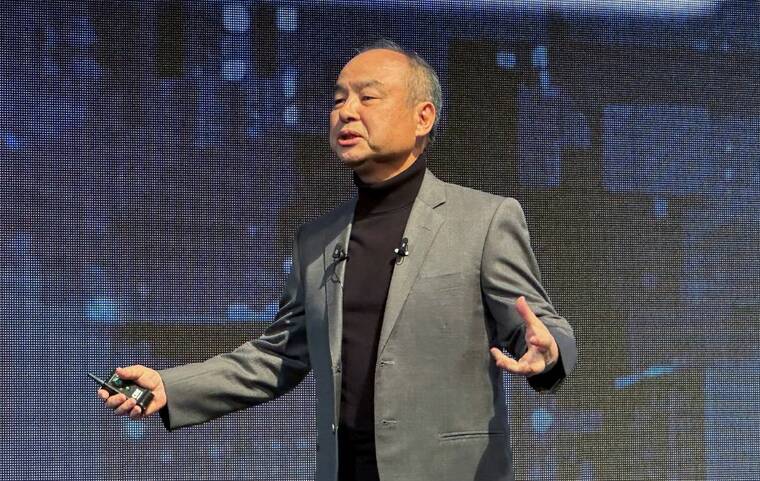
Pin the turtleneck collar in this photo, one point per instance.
(391, 194)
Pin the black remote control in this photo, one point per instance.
(116, 385)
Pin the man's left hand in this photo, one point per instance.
(542, 353)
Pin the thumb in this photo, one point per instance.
(141, 375)
(130, 373)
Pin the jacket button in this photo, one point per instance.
(333, 428)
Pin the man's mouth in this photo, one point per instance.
(348, 138)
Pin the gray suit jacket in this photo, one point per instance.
(440, 408)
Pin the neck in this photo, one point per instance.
(390, 194)
(382, 172)
(374, 172)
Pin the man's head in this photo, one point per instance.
(386, 109)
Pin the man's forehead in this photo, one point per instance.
(374, 68)
(359, 84)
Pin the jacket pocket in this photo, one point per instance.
(453, 436)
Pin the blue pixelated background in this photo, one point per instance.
(157, 156)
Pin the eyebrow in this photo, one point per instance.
(360, 85)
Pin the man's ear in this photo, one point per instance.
(425, 115)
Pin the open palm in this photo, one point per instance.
(542, 353)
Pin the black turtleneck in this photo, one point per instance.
(380, 217)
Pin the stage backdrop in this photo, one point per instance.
(156, 158)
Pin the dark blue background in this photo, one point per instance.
(156, 158)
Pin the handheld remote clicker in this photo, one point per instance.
(116, 385)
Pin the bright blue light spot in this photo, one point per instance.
(287, 19)
(289, 81)
(287, 264)
(291, 116)
(236, 18)
(642, 7)
(506, 60)
(651, 372)
(540, 57)
(269, 312)
(657, 371)
(234, 69)
(240, 312)
(135, 430)
(101, 309)
(12, 141)
(660, 207)
(541, 420)
(244, 313)
(627, 381)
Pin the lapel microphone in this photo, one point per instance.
(339, 254)
(402, 250)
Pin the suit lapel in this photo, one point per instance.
(337, 232)
(421, 228)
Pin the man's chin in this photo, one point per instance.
(352, 160)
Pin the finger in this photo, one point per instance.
(507, 363)
(534, 361)
(131, 372)
(524, 310)
(136, 412)
(115, 401)
(141, 375)
(543, 343)
(125, 407)
(531, 363)
(103, 394)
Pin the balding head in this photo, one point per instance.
(377, 126)
(424, 85)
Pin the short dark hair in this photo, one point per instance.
(424, 86)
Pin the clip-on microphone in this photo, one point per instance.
(339, 254)
(402, 250)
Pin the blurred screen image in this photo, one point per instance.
(156, 158)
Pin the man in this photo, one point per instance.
(400, 300)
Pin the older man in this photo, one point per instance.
(400, 300)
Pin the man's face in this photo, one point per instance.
(373, 120)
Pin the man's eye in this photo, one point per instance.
(367, 97)
(337, 101)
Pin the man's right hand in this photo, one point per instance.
(143, 377)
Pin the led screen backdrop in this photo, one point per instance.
(156, 158)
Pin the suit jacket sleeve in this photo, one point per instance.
(509, 270)
(256, 372)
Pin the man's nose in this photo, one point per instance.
(347, 111)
